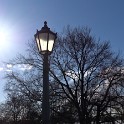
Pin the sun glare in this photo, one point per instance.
(4, 39)
(3, 35)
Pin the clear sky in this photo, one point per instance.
(19, 20)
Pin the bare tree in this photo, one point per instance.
(88, 73)
(25, 80)
(84, 74)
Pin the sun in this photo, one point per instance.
(4, 38)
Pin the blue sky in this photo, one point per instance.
(19, 20)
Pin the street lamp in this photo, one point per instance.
(45, 39)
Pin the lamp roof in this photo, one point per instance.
(45, 29)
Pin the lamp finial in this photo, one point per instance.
(45, 24)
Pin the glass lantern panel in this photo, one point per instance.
(38, 44)
(51, 42)
(43, 41)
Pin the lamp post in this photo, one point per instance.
(45, 39)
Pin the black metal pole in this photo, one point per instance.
(45, 104)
